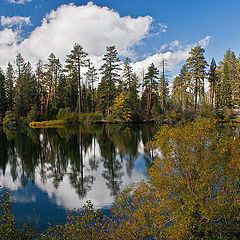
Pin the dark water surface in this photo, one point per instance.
(47, 171)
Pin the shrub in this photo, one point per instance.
(33, 114)
(67, 116)
(9, 120)
(8, 227)
(63, 114)
(90, 117)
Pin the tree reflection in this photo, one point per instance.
(73, 155)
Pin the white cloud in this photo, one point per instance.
(205, 41)
(175, 54)
(19, 1)
(8, 37)
(91, 26)
(94, 28)
(172, 59)
(162, 27)
(175, 45)
(15, 21)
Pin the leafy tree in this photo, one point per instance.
(119, 110)
(110, 77)
(192, 190)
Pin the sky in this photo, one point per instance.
(144, 31)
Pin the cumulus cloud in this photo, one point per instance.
(19, 1)
(174, 54)
(205, 41)
(172, 59)
(91, 26)
(8, 37)
(15, 21)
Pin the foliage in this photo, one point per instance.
(52, 123)
(110, 77)
(192, 190)
(120, 111)
(33, 114)
(8, 227)
(67, 116)
(9, 119)
(90, 117)
(196, 68)
(86, 224)
(3, 100)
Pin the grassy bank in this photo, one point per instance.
(51, 123)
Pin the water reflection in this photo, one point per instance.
(74, 165)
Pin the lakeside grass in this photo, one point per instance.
(47, 124)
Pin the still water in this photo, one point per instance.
(47, 171)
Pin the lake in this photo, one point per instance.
(47, 171)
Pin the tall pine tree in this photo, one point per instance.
(110, 77)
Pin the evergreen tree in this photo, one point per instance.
(130, 88)
(10, 78)
(151, 84)
(212, 78)
(132, 97)
(110, 77)
(42, 85)
(227, 76)
(54, 69)
(61, 92)
(75, 60)
(92, 77)
(127, 74)
(180, 93)
(196, 65)
(3, 100)
(163, 87)
(18, 105)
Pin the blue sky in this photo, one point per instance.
(174, 27)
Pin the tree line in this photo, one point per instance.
(116, 91)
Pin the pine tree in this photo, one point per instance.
(10, 79)
(18, 105)
(3, 100)
(75, 60)
(150, 84)
(54, 69)
(196, 65)
(127, 75)
(163, 87)
(92, 77)
(180, 93)
(42, 85)
(110, 78)
(212, 78)
(227, 76)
